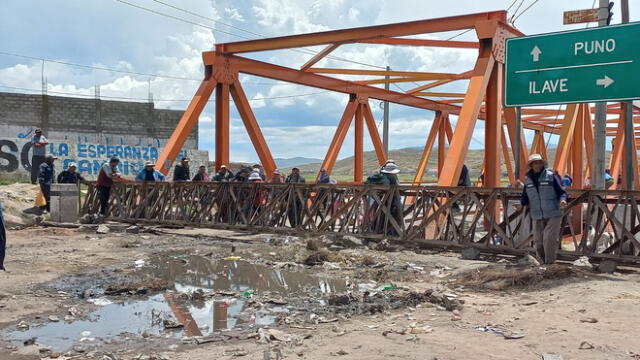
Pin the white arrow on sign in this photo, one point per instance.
(535, 52)
(606, 81)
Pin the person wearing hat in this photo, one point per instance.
(324, 177)
(107, 175)
(255, 177)
(71, 175)
(224, 175)
(277, 177)
(258, 168)
(181, 171)
(545, 196)
(390, 173)
(39, 150)
(149, 173)
(45, 179)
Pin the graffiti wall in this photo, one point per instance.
(15, 156)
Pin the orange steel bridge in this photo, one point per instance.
(483, 100)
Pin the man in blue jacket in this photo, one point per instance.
(149, 174)
(546, 198)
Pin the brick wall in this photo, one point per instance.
(55, 115)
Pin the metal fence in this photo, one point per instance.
(598, 224)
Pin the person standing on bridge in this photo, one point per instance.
(545, 196)
(181, 171)
(108, 173)
(39, 150)
(224, 175)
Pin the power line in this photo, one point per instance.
(305, 51)
(524, 11)
(160, 100)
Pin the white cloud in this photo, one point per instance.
(234, 14)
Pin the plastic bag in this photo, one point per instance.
(40, 199)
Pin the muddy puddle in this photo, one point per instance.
(197, 297)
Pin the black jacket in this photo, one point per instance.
(181, 173)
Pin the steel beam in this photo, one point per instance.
(451, 23)
(252, 127)
(188, 120)
(358, 150)
(467, 120)
(262, 69)
(222, 125)
(423, 42)
(319, 56)
(340, 134)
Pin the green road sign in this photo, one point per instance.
(597, 64)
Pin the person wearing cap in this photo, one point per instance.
(224, 175)
(277, 177)
(201, 175)
(106, 176)
(545, 196)
(39, 150)
(149, 173)
(324, 177)
(45, 179)
(255, 177)
(295, 177)
(181, 171)
(71, 175)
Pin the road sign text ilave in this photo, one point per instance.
(598, 64)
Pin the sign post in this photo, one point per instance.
(590, 65)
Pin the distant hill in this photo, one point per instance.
(408, 158)
(296, 161)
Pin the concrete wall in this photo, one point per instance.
(88, 132)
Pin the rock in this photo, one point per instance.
(54, 355)
(512, 335)
(528, 260)
(585, 345)
(29, 350)
(54, 318)
(551, 356)
(79, 349)
(87, 294)
(170, 324)
(351, 241)
(69, 318)
(23, 326)
(132, 229)
(607, 266)
(103, 229)
(590, 320)
(582, 262)
(30, 341)
(471, 254)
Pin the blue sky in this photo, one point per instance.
(111, 34)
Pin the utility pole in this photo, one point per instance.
(600, 128)
(385, 121)
(627, 108)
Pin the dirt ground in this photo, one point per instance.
(569, 311)
(555, 316)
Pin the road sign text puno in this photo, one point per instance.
(598, 64)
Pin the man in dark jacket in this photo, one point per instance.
(224, 175)
(295, 177)
(545, 196)
(181, 171)
(45, 179)
(71, 176)
(3, 239)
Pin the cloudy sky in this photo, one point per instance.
(146, 38)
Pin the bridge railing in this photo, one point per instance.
(599, 224)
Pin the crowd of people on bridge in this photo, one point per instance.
(543, 189)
